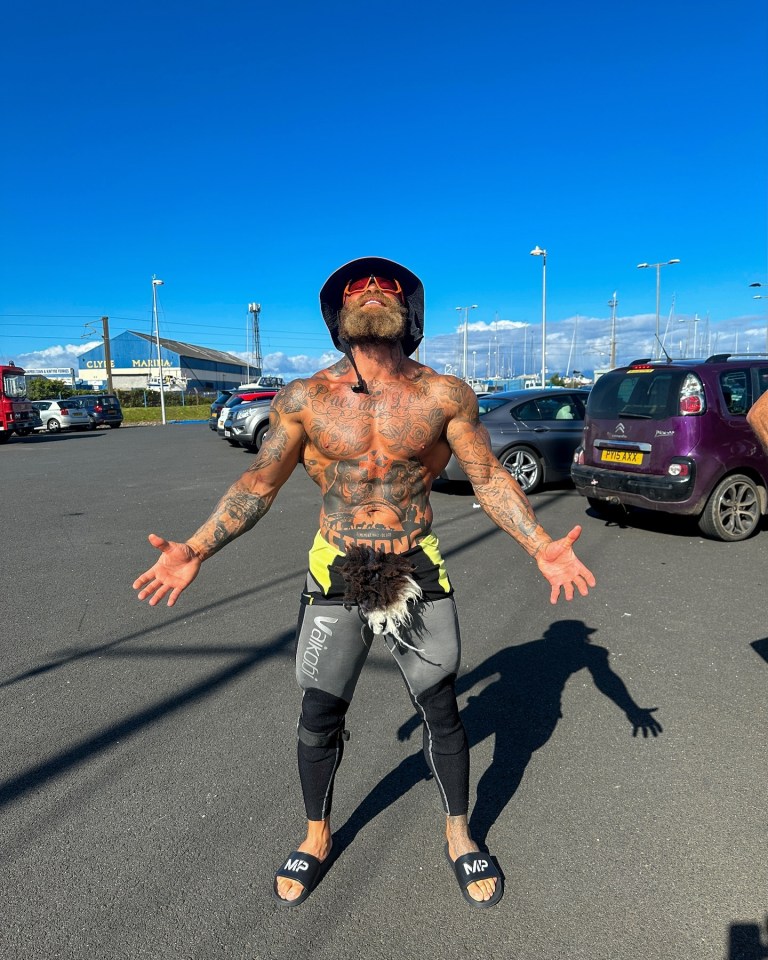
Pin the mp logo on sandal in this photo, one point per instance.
(296, 865)
(477, 866)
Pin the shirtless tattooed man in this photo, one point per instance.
(373, 431)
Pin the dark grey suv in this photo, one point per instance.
(103, 408)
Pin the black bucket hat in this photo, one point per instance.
(332, 298)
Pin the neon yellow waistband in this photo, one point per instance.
(322, 555)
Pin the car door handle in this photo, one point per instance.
(541, 429)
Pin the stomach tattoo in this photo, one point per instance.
(377, 501)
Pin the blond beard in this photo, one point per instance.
(383, 325)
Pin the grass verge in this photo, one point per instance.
(154, 414)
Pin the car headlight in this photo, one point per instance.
(241, 415)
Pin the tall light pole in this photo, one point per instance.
(466, 325)
(155, 284)
(538, 252)
(642, 266)
(613, 303)
(760, 296)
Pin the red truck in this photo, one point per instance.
(17, 415)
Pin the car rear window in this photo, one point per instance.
(486, 404)
(645, 393)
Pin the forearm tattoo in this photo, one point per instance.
(236, 512)
(510, 510)
(501, 498)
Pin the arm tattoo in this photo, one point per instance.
(501, 498)
(236, 512)
(510, 510)
(250, 497)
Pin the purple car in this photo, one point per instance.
(672, 436)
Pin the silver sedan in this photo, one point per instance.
(59, 415)
(533, 433)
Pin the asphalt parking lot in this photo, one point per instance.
(149, 787)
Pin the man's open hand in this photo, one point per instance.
(560, 565)
(174, 571)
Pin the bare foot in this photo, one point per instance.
(459, 843)
(318, 843)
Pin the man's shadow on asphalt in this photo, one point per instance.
(520, 708)
(746, 941)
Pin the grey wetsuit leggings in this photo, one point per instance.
(332, 646)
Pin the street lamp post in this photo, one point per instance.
(642, 266)
(613, 303)
(466, 325)
(761, 296)
(155, 284)
(538, 252)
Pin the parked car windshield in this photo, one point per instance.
(648, 394)
(14, 385)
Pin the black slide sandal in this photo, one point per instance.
(472, 867)
(304, 869)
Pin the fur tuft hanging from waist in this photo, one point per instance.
(381, 586)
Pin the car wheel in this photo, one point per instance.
(114, 426)
(732, 511)
(53, 426)
(525, 467)
(5, 436)
(258, 437)
(24, 432)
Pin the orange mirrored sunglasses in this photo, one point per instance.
(382, 283)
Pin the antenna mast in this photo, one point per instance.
(255, 309)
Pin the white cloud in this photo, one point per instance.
(300, 364)
(56, 356)
(291, 366)
(482, 326)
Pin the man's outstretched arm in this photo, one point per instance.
(240, 509)
(505, 503)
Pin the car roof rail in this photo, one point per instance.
(722, 357)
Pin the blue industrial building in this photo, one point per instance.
(185, 366)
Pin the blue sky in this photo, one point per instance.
(242, 151)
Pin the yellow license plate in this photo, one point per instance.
(622, 456)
